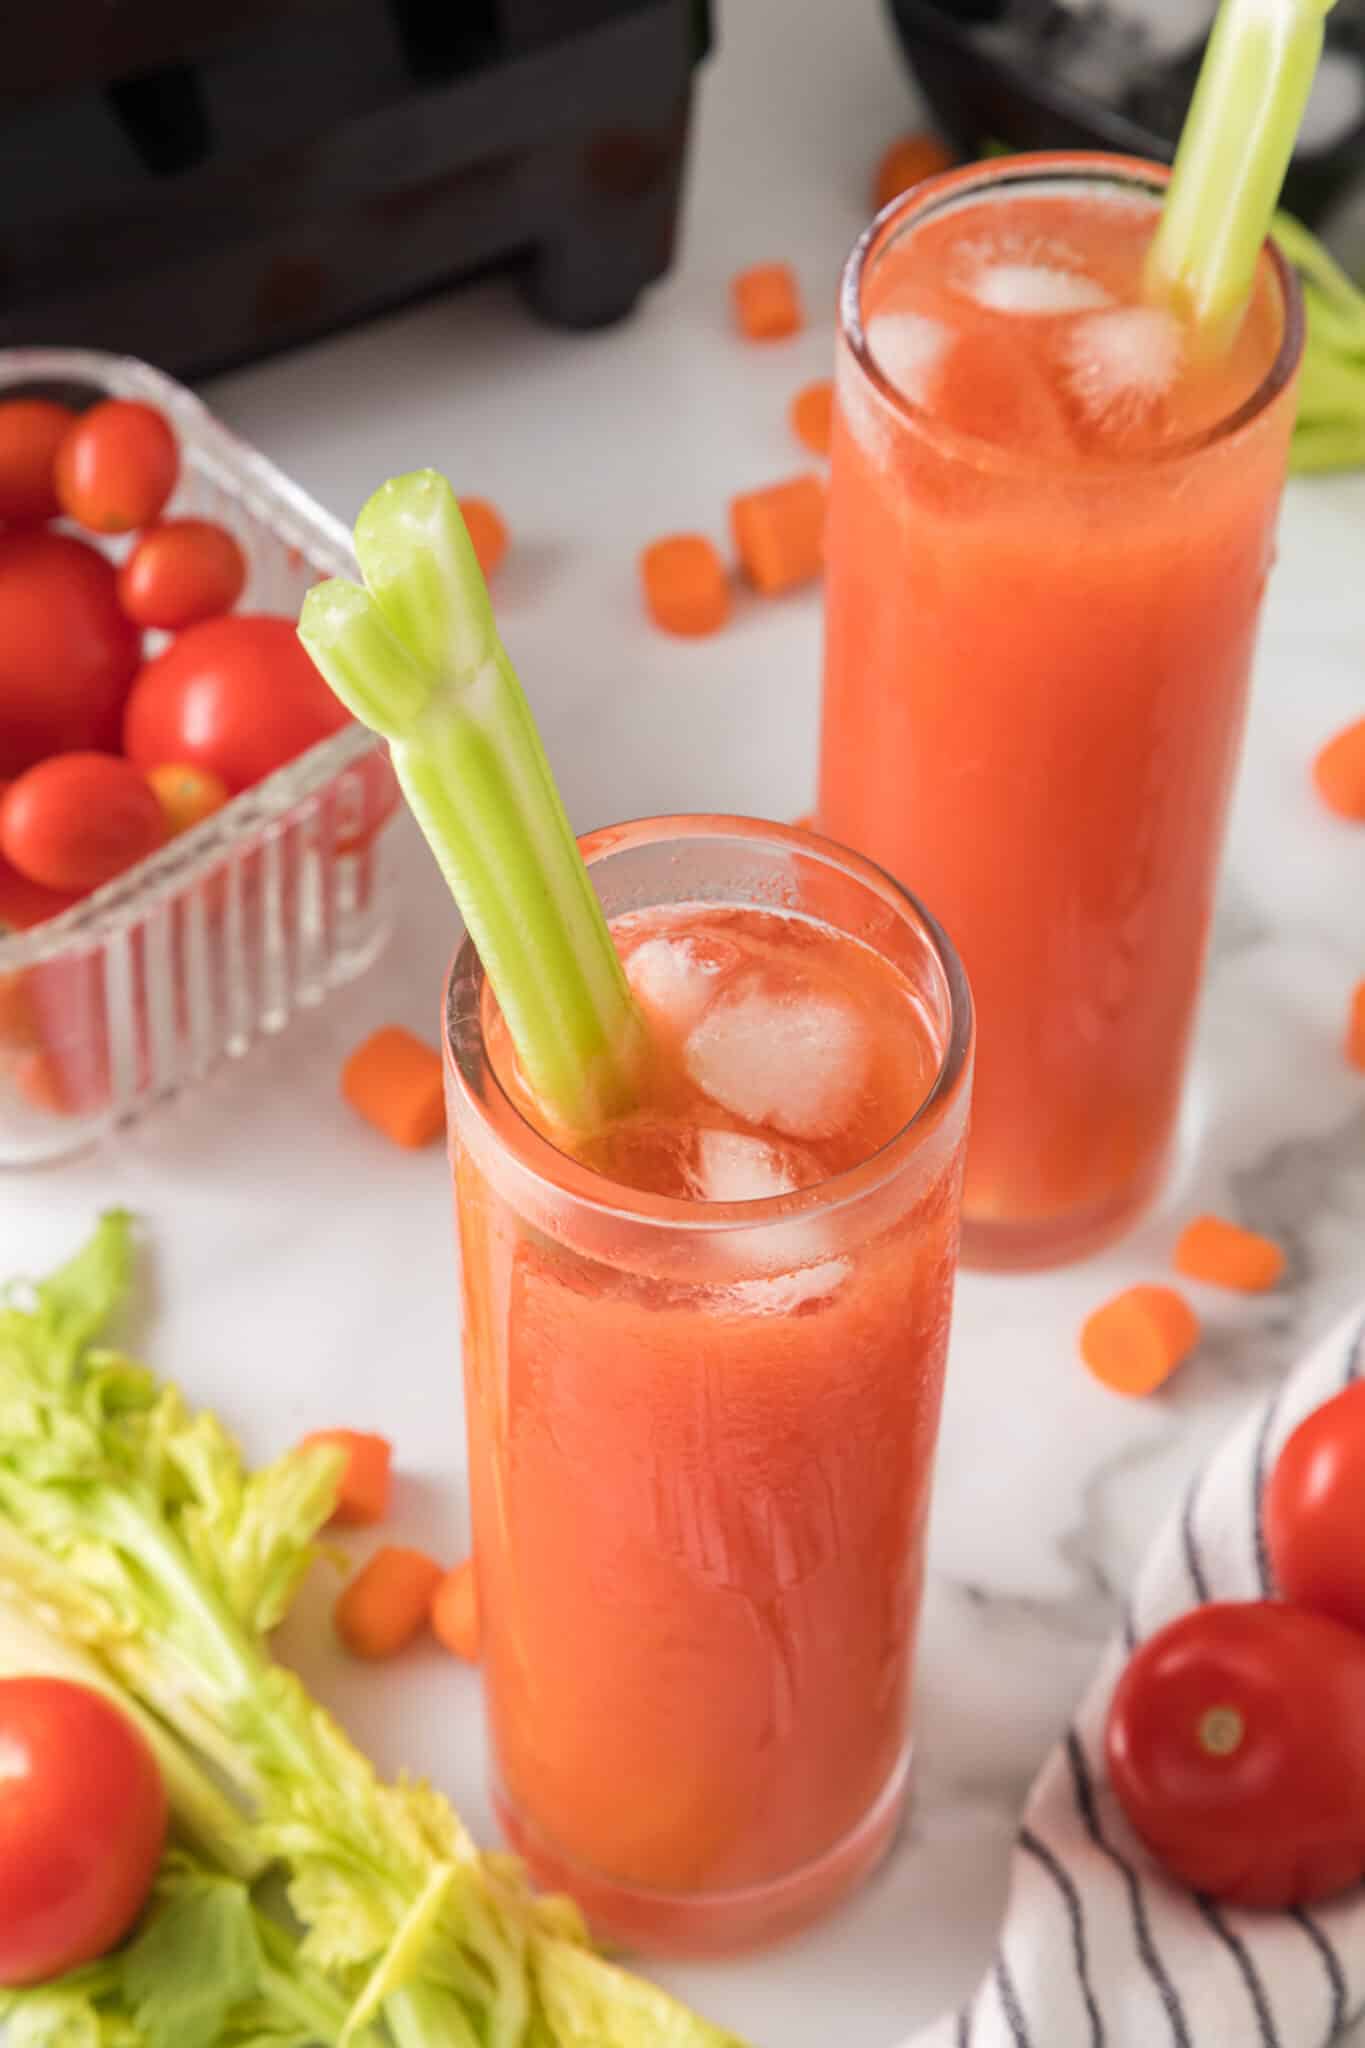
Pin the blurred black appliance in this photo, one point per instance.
(201, 181)
(1118, 74)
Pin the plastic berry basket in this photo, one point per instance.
(136, 992)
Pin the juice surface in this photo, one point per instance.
(1042, 598)
(700, 1487)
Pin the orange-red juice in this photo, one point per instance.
(703, 1359)
(1050, 525)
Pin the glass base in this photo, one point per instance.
(697, 1924)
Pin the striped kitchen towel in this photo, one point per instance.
(1099, 1949)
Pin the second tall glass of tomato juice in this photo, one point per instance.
(1050, 525)
(703, 1360)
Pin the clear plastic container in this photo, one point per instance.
(137, 991)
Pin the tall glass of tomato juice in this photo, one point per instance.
(1050, 525)
(703, 1364)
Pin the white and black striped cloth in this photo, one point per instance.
(1099, 1949)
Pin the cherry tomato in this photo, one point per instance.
(82, 1827)
(187, 795)
(238, 695)
(1315, 1510)
(181, 571)
(31, 429)
(24, 904)
(117, 466)
(78, 820)
(67, 653)
(1236, 1745)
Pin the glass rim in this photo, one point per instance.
(1043, 167)
(557, 1174)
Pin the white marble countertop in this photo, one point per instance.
(303, 1272)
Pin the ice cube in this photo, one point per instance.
(782, 1294)
(794, 1063)
(1035, 288)
(1121, 364)
(733, 1167)
(908, 348)
(676, 978)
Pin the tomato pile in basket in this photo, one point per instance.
(134, 701)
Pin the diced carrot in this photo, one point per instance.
(767, 301)
(487, 530)
(387, 1602)
(367, 1477)
(812, 416)
(1339, 772)
(455, 1612)
(779, 533)
(1355, 1027)
(1222, 1253)
(910, 159)
(685, 585)
(393, 1080)
(1136, 1340)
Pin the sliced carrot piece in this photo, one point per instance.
(394, 1081)
(387, 1602)
(366, 1483)
(685, 585)
(1355, 1027)
(767, 301)
(1339, 772)
(1222, 1253)
(455, 1612)
(812, 415)
(1136, 1340)
(779, 533)
(910, 159)
(487, 530)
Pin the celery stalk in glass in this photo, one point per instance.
(1235, 147)
(416, 655)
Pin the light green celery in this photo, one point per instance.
(1329, 428)
(416, 655)
(1234, 149)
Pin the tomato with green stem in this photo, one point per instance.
(82, 1827)
(1315, 1510)
(1236, 1745)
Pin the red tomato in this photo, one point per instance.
(181, 571)
(67, 653)
(31, 430)
(237, 695)
(82, 1827)
(1236, 1745)
(1315, 1510)
(187, 795)
(78, 820)
(117, 466)
(23, 904)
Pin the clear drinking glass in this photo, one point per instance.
(1043, 585)
(701, 1438)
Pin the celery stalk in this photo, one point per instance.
(1234, 150)
(416, 655)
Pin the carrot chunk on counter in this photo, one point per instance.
(393, 1080)
(685, 585)
(1225, 1255)
(1135, 1341)
(812, 416)
(366, 1482)
(487, 530)
(910, 159)
(455, 1612)
(1355, 1027)
(779, 533)
(1339, 772)
(766, 301)
(387, 1603)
